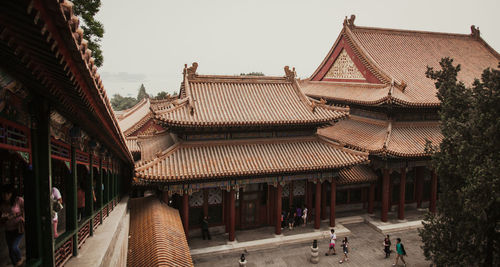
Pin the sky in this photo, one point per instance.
(149, 41)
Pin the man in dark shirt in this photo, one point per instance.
(204, 228)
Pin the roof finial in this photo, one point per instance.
(349, 22)
(191, 71)
(474, 31)
(290, 74)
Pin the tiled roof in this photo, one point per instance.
(402, 56)
(132, 116)
(226, 158)
(150, 145)
(400, 139)
(132, 144)
(356, 174)
(222, 101)
(156, 235)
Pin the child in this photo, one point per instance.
(400, 249)
(345, 249)
(333, 238)
(387, 247)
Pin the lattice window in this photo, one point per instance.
(13, 136)
(299, 188)
(344, 68)
(214, 196)
(59, 150)
(286, 191)
(196, 199)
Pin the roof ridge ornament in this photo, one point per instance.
(290, 74)
(191, 71)
(349, 22)
(475, 33)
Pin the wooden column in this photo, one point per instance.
(309, 200)
(333, 188)
(99, 188)
(165, 197)
(71, 201)
(278, 192)
(270, 213)
(232, 215)
(226, 211)
(205, 202)
(89, 194)
(323, 200)
(290, 195)
(419, 184)
(385, 195)
(185, 213)
(434, 184)
(371, 198)
(38, 189)
(391, 187)
(402, 188)
(317, 208)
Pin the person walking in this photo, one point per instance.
(345, 249)
(387, 247)
(81, 202)
(12, 208)
(204, 228)
(291, 219)
(298, 219)
(56, 207)
(304, 217)
(400, 252)
(333, 238)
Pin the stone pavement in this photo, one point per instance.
(365, 250)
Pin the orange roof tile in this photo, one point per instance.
(401, 139)
(130, 117)
(132, 144)
(226, 158)
(156, 235)
(222, 101)
(402, 56)
(356, 174)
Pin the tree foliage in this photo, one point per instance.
(119, 102)
(93, 30)
(465, 230)
(142, 93)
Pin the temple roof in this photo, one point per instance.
(156, 235)
(398, 139)
(397, 60)
(132, 116)
(226, 101)
(356, 175)
(198, 160)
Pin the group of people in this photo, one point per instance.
(294, 217)
(344, 246)
(400, 249)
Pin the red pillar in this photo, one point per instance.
(371, 198)
(391, 187)
(402, 189)
(164, 197)
(385, 195)
(278, 209)
(323, 201)
(333, 187)
(185, 212)
(434, 184)
(419, 175)
(226, 210)
(309, 200)
(232, 215)
(317, 209)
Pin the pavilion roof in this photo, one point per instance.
(398, 60)
(398, 139)
(156, 235)
(356, 175)
(201, 160)
(232, 101)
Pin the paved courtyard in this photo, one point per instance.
(365, 250)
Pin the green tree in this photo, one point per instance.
(162, 95)
(119, 102)
(142, 93)
(93, 30)
(465, 230)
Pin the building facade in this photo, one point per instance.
(57, 128)
(380, 75)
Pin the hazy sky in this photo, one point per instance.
(149, 41)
